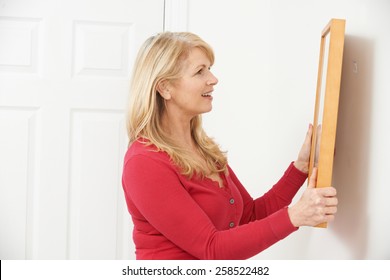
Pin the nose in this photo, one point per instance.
(212, 80)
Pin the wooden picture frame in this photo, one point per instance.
(327, 101)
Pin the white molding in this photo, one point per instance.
(176, 15)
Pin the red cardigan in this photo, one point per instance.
(178, 218)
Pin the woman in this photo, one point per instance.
(184, 199)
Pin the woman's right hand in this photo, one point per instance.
(316, 206)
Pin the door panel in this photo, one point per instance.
(64, 80)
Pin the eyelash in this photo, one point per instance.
(201, 70)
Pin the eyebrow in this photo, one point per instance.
(202, 66)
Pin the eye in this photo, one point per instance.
(200, 71)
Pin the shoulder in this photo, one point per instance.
(231, 173)
(144, 164)
(143, 151)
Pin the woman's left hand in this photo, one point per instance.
(302, 162)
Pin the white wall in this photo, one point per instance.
(266, 62)
(267, 59)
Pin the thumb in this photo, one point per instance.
(313, 178)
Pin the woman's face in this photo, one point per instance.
(191, 94)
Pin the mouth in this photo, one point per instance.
(207, 94)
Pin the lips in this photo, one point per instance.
(207, 94)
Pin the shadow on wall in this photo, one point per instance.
(351, 172)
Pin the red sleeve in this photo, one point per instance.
(278, 197)
(168, 207)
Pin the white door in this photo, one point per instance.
(64, 79)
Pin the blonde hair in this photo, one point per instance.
(161, 58)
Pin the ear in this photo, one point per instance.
(163, 88)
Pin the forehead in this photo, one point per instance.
(197, 57)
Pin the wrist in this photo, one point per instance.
(292, 215)
(302, 166)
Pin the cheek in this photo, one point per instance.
(184, 97)
(188, 91)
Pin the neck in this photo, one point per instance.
(178, 129)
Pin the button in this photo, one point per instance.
(231, 201)
(231, 224)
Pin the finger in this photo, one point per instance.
(328, 192)
(331, 210)
(313, 178)
(309, 133)
(329, 218)
(331, 202)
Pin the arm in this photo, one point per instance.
(157, 193)
(278, 197)
(283, 191)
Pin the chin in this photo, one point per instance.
(204, 110)
(208, 110)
